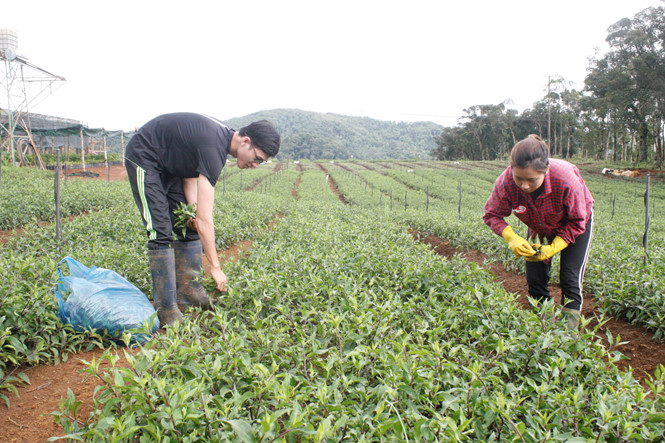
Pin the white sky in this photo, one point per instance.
(128, 61)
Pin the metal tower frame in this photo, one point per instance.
(25, 85)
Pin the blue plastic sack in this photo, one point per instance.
(101, 299)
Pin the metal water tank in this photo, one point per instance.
(8, 43)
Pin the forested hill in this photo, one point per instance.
(313, 135)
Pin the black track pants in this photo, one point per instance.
(574, 259)
(157, 195)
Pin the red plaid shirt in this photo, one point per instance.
(563, 208)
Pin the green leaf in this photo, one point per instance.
(242, 429)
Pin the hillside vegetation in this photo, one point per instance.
(313, 135)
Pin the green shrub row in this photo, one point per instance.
(112, 238)
(620, 278)
(27, 196)
(339, 327)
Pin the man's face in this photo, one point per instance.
(249, 156)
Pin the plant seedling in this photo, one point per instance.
(184, 213)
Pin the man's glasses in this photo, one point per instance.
(257, 158)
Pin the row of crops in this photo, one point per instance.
(338, 326)
(447, 200)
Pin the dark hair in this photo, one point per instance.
(531, 152)
(263, 135)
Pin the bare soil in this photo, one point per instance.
(113, 173)
(28, 418)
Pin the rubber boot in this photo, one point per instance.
(162, 268)
(188, 267)
(572, 318)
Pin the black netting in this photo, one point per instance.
(50, 133)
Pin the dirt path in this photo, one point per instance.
(331, 182)
(28, 419)
(112, 174)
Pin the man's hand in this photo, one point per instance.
(517, 244)
(548, 251)
(191, 224)
(220, 279)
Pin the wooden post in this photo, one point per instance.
(82, 148)
(58, 225)
(66, 158)
(647, 219)
(459, 205)
(614, 201)
(106, 160)
(122, 146)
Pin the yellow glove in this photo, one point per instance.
(517, 244)
(548, 251)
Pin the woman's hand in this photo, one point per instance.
(546, 252)
(517, 244)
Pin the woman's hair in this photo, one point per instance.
(263, 135)
(531, 152)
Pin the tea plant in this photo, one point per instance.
(619, 277)
(112, 238)
(339, 327)
(27, 196)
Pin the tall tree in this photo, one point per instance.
(629, 81)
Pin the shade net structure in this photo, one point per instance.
(27, 138)
(38, 138)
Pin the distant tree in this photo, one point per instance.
(628, 83)
(452, 144)
(486, 132)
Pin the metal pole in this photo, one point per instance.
(9, 111)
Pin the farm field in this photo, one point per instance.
(339, 325)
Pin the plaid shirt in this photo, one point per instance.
(563, 207)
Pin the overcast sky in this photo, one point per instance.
(128, 61)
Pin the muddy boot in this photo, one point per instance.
(188, 267)
(162, 268)
(572, 318)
